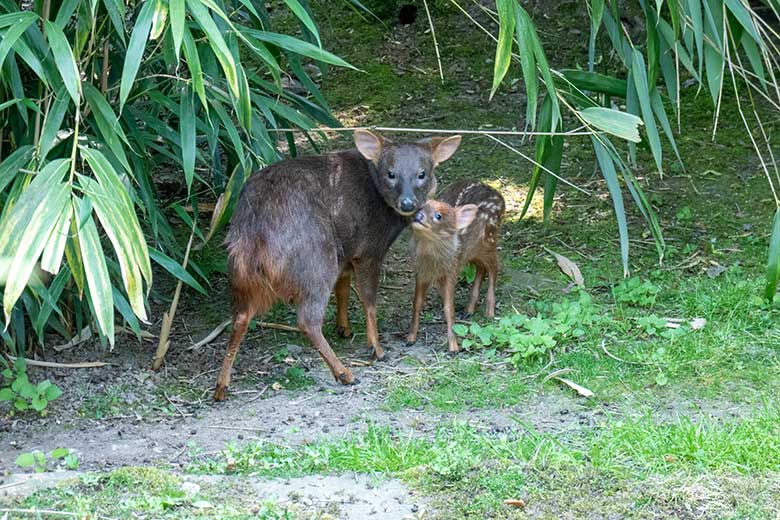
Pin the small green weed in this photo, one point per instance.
(527, 338)
(38, 461)
(17, 388)
(633, 291)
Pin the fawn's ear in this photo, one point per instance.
(442, 148)
(465, 215)
(369, 144)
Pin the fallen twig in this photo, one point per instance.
(51, 364)
(237, 428)
(211, 335)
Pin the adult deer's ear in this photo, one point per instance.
(465, 215)
(442, 148)
(369, 144)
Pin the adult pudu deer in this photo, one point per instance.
(304, 226)
(459, 228)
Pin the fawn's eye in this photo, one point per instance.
(421, 175)
(391, 175)
(437, 216)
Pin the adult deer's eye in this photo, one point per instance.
(421, 175)
(391, 175)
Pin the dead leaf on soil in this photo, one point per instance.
(698, 323)
(569, 268)
(276, 386)
(556, 373)
(515, 502)
(584, 392)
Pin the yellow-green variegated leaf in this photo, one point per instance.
(55, 248)
(30, 244)
(98, 281)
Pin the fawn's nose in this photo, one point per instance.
(419, 216)
(407, 204)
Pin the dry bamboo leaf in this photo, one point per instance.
(556, 373)
(584, 392)
(569, 268)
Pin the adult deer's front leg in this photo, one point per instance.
(367, 281)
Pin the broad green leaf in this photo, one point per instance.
(55, 248)
(610, 175)
(643, 93)
(773, 264)
(754, 56)
(544, 67)
(63, 57)
(300, 12)
(173, 267)
(17, 18)
(30, 244)
(299, 47)
(187, 131)
(12, 34)
(178, 20)
(54, 291)
(108, 124)
(506, 31)
(59, 453)
(135, 52)
(615, 122)
(697, 23)
(660, 114)
(53, 392)
(25, 460)
(124, 308)
(97, 278)
(216, 41)
(66, 10)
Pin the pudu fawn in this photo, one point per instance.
(304, 226)
(458, 228)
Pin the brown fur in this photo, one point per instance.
(459, 228)
(304, 226)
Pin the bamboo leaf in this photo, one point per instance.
(596, 12)
(526, 43)
(173, 267)
(737, 8)
(301, 13)
(615, 122)
(121, 207)
(299, 47)
(12, 34)
(11, 165)
(178, 19)
(55, 248)
(53, 122)
(643, 93)
(116, 11)
(216, 41)
(158, 20)
(135, 51)
(773, 264)
(31, 243)
(108, 124)
(63, 57)
(97, 278)
(610, 175)
(187, 131)
(506, 31)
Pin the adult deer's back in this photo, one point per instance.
(303, 226)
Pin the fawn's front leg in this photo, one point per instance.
(420, 288)
(447, 289)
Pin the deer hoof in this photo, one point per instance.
(346, 378)
(343, 332)
(220, 394)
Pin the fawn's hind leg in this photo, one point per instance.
(420, 288)
(472, 305)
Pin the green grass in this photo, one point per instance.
(487, 468)
(144, 492)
